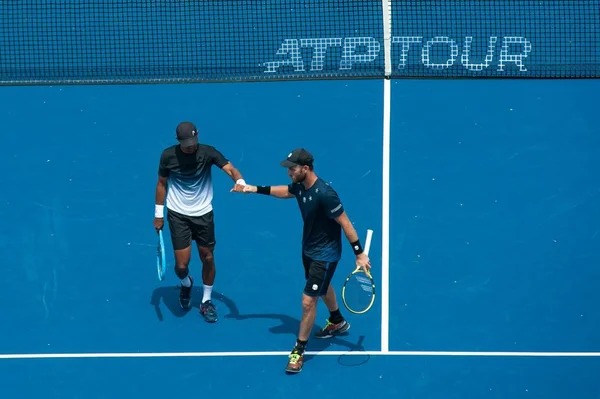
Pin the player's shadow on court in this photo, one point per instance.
(289, 325)
(169, 296)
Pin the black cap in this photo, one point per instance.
(298, 157)
(187, 134)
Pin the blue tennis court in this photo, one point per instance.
(493, 238)
(485, 247)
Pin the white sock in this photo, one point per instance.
(186, 282)
(207, 293)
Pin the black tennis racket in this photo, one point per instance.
(358, 291)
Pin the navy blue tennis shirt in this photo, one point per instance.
(321, 234)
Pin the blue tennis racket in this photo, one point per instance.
(161, 261)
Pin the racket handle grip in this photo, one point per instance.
(368, 241)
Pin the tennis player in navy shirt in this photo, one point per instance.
(324, 219)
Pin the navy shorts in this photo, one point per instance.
(185, 229)
(318, 275)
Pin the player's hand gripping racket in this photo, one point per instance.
(161, 261)
(358, 291)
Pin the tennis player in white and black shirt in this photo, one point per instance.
(185, 182)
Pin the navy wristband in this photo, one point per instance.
(265, 190)
(357, 248)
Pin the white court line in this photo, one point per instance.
(324, 353)
(385, 189)
(385, 221)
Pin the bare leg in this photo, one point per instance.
(309, 313)
(330, 300)
(337, 324)
(208, 265)
(207, 308)
(182, 261)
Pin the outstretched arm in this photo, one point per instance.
(226, 166)
(274, 191)
(234, 173)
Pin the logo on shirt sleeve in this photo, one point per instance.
(337, 208)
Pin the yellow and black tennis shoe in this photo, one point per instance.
(296, 361)
(332, 329)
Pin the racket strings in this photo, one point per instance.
(364, 283)
(358, 293)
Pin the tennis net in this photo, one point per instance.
(150, 41)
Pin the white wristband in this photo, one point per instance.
(158, 211)
(241, 182)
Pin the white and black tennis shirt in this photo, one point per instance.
(189, 184)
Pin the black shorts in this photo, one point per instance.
(185, 228)
(318, 276)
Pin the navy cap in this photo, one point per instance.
(299, 156)
(187, 134)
